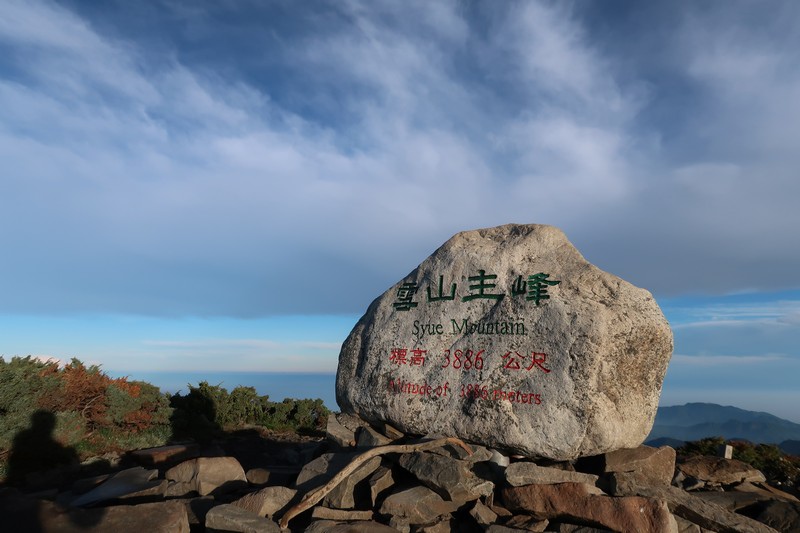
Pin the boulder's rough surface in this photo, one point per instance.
(209, 474)
(267, 501)
(705, 514)
(417, 505)
(509, 338)
(449, 477)
(719, 470)
(162, 517)
(580, 501)
(228, 518)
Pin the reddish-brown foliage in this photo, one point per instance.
(83, 390)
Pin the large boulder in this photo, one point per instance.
(509, 338)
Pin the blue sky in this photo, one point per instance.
(227, 185)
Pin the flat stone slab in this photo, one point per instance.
(525, 473)
(507, 337)
(228, 518)
(719, 470)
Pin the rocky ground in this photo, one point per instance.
(254, 481)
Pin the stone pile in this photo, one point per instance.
(366, 478)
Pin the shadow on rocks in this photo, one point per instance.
(37, 459)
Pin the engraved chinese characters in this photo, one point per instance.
(509, 338)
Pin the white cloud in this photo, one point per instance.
(153, 184)
(725, 360)
(780, 312)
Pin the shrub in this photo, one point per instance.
(91, 413)
(207, 409)
(23, 380)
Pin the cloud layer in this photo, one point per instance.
(248, 160)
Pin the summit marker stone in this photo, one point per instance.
(507, 337)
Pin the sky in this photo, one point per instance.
(226, 186)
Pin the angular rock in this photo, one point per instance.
(392, 432)
(527, 523)
(342, 429)
(705, 514)
(209, 474)
(783, 516)
(730, 500)
(326, 513)
(417, 505)
(643, 465)
(257, 476)
(400, 523)
(367, 437)
(163, 455)
(526, 473)
(499, 459)
(380, 480)
(343, 496)
(575, 528)
(267, 501)
(178, 489)
(322, 469)
(131, 482)
(719, 470)
(161, 517)
(767, 492)
(497, 528)
(522, 345)
(197, 509)
(482, 514)
(684, 526)
(443, 526)
(332, 526)
(83, 485)
(230, 518)
(447, 476)
(579, 501)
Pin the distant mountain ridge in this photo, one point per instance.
(695, 421)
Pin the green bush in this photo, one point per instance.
(90, 413)
(707, 446)
(70, 428)
(297, 414)
(208, 409)
(23, 380)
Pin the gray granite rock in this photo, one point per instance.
(267, 501)
(379, 481)
(209, 474)
(783, 516)
(343, 496)
(719, 470)
(447, 476)
(509, 338)
(135, 481)
(342, 428)
(417, 505)
(230, 518)
(322, 469)
(22, 514)
(366, 437)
